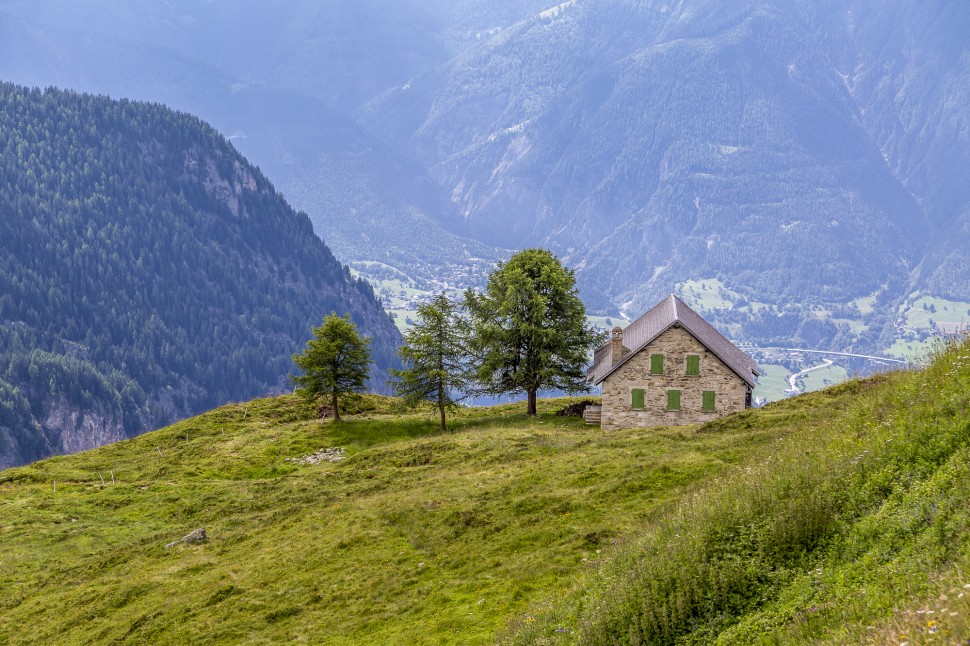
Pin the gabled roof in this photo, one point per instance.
(664, 315)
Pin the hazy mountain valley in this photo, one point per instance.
(796, 170)
(188, 188)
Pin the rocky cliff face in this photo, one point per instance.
(71, 430)
(39, 423)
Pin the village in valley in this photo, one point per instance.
(783, 371)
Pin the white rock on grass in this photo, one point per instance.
(323, 455)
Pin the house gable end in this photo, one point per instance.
(634, 396)
(649, 347)
(669, 313)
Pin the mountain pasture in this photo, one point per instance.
(416, 537)
(837, 515)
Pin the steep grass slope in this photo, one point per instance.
(416, 537)
(835, 516)
(854, 529)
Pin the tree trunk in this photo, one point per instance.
(441, 405)
(336, 411)
(532, 403)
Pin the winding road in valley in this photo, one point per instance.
(792, 388)
(832, 352)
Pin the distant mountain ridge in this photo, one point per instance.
(808, 157)
(147, 272)
(276, 112)
(802, 154)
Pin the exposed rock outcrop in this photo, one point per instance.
(79, 430)
(192, 538)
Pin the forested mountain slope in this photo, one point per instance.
(147, 272)
(263, 78)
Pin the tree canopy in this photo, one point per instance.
(529, 328)
(336, 362)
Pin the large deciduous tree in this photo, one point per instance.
(529, 328)
(336, 362)
(435, 354)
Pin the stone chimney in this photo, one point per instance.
(617, 351)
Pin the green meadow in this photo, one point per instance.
(853, 529)
(837, 516)
(415, 537)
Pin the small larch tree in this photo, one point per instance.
(529, 328)
(336, 362)
(435, 354)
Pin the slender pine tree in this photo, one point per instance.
(435, 354)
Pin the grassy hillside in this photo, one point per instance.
(854, 529)
(812, 518)
(416, 537)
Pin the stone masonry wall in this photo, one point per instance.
(675, 344)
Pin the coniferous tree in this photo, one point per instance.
(435, 353)
(529, 328)
(336, 362)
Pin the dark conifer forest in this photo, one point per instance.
(147, 272)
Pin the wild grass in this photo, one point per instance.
(855, 529)
(416, 537)
(838, 516)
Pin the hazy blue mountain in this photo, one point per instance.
(797, 152)
(350, 185)
(907, 67)
(807, 156)
(147, 272)
(376, 43)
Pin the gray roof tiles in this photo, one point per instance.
(648, 327)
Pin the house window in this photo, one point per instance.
(636, 397)
(673, 400)
(708, 402)
(656, 364)
(693, 364)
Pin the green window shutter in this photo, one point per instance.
(656, 364)
(673, 400)
(637, 397)
(693, 364)
(709, 401)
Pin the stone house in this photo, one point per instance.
(669, 367)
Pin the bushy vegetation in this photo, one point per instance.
(529, 328)
(335, 363)
(854, 528)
